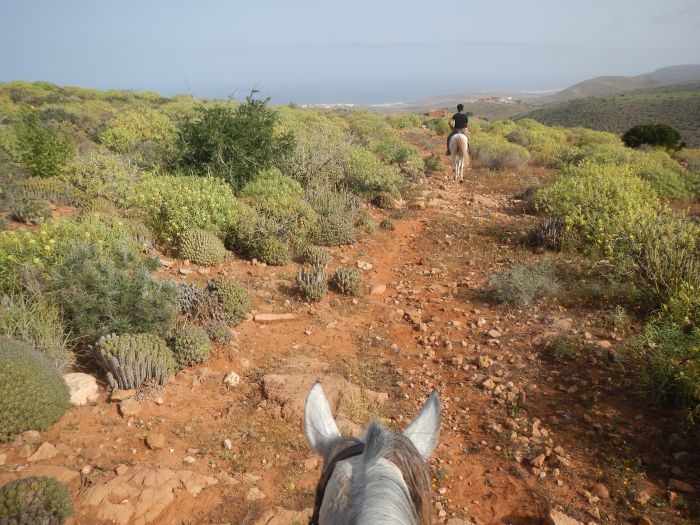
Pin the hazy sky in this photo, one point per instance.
(353, 51)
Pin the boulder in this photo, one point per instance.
(83, 388)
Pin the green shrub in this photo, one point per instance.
(35, 501)
(365, 173)
(314, 256)
(191, 346)
(689, 157)
(232, 144)
(518, 136)
(101, 295)
(667, 183)
(130, 359)
(601, 203)
(312, 283)
(439, 126)
(99, 206)
(174, 204)
(384, 201)
(129, 128)
(272, 185)
(367, 126)
(43, 150)
(347, 281)
(494, 152)
(218, 332)
(31, 211)
(233, 299)
(394, 150)
(654, 135)
(387, 224)
(30, 317)
(201, 247)
(523, 284)
(259, 237)
(338, 213)
(670, 373)
(405, 121)
(434, 163)
(48, 246)
(100, 174)
(33, 394)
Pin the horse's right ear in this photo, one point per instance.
(424, 432)
(320, 426)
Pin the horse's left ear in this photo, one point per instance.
(321, 429)
(424, 432)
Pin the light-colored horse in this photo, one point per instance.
(459, 149)
(386, 482)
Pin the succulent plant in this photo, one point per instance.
(315, 255)
(333, 230)
(139, 232)
(548, 234)
(198, 303)
(201, 247)
(312, 282)
(387, 224)
(233, 299)
(31, 210)
(130, 359)
(33, 394)
(384, 200)
(272, 251)
(35, 501)
(218, 332)
(347, 281)
(50, 189)
(191, 346)
(99, 205)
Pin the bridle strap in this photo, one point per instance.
(351, 451)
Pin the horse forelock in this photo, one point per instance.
(381, 443)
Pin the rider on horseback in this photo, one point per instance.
(460, 120)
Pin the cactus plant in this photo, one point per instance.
(33, 394)
(191, 346)
(50, 189)
(387, 224)
(312, 282)
(201, 247)
(347, 281)
(35, 501)
(548, 234)
(130, 359)
(31, 210)
(233, 299)
(198, 303)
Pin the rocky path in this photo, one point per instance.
(522, 433)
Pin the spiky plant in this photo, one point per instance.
(233, 299)
(384, 200)
(130, 359)
(33, 394)
(218, 332)
(34, 211)
(548, 234)
(315, 255)
(191, 346)
(387, 224)
(35, 501)
(347, 281)
(201, 247)
(312, 282)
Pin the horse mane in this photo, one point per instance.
(396, 448)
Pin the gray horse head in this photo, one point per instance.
(380, 479)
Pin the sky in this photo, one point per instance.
(361, 51)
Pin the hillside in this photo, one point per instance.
(677, 105)
(608, 85)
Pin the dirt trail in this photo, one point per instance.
(521, 432)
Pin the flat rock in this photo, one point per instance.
(254, 493)
(481, 200)
(44, 452)
(129, 408)
(282, 516)
(155, 441)
(62, 474)
(559, 518)
(378, 289)
(3, 459)
(83, 388)
(363, 265)
(494, 333)
(271, 318)
(31, 436)
(122, 395)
